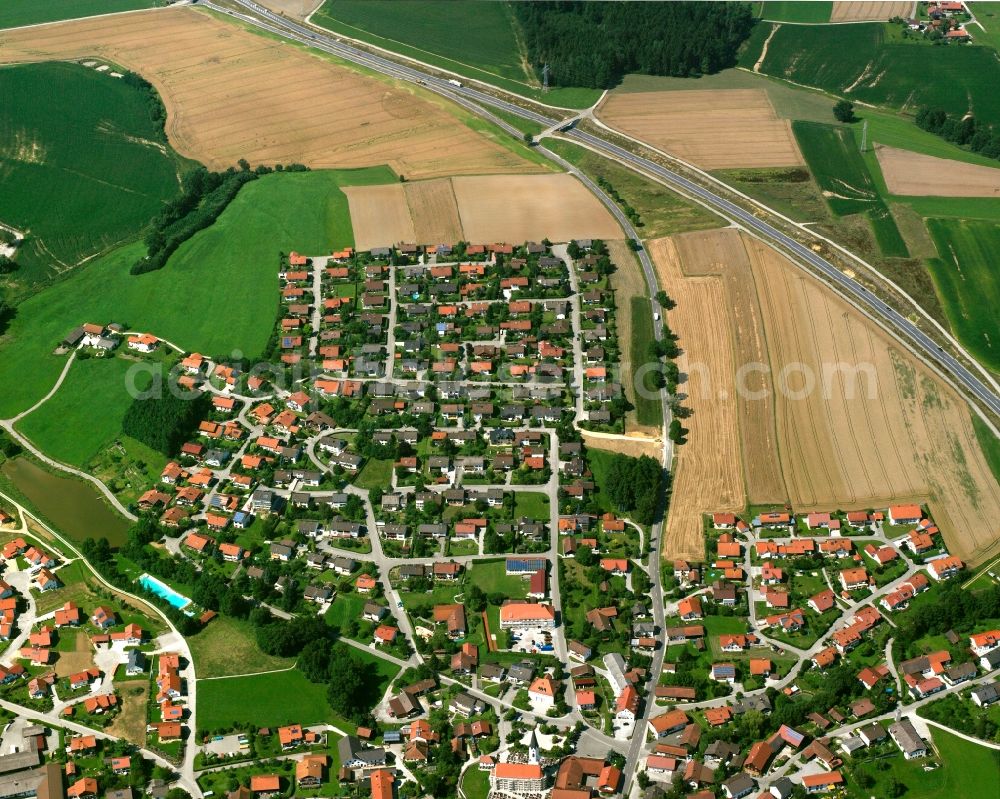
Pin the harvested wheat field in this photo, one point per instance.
(633, 444)
(862, 11)
(296, 9)
(232, 94)
(716, 129)
(379, 215)
(531, 208)
(79, 658)
(434, 211)
(918, 175)
(852, 421)
(708, 472)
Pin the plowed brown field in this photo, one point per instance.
(484, 208)
(232, 94)
(848, 419)
(434, 211)
(713, 129)
(379, 215)
(852, 11)
(915, 174)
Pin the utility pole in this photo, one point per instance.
(545, 77)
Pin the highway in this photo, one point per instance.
(473, 99)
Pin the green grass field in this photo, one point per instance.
(792, 11)
(967, 769)
(833, 157)
(532, 504)
(648, 409)
(218, 293)
(988, 16)
(84, 167)
(264, 700)
(989, 444)
(227, 646)
(966, 280)
(375, 474)
(881, 69)
(85, 415)
(492, 577)
(14, 13)
(476, 40)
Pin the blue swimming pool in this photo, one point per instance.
(164, 591)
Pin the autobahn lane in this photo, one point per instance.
(915, 338)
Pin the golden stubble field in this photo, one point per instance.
(480, 209)
(918, 175)
(861, 10)
(714, 129)
(232, 94)
(877, 426)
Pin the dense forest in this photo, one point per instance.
(634, 486)
(594, 44)
(165, 422)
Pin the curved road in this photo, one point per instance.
(471, 98)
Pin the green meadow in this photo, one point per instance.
(878, 67)
(837, 165)
(967, 282)
(218, 293)
(792, 11)
(83, 164)
(478, 40)
(15, 13)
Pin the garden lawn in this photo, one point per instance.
(375, 474)
(532, 504)
(263, 700)
(492, 577)
(85, 414)
(15, 13)
(476, 783)
(218, 293)
(227, 646)
(967, 282)
(83, 164)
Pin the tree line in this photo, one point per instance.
(204, 196)
(965, 131)
(593, 44)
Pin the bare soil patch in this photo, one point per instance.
(130, 723)
(519, 208)
(850, 11)
(434, 211)
(633, 445)
(715, 129)
(80, 658)
(917, 175)
(232, 94)
(708, 471)
(296, 9)
(379, 215)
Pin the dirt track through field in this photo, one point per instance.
(715, 129)
(481, 209)
(917, 175)
(232, 94)
(379, 215)
(848, 420)
(434, 211)
(861, 11)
